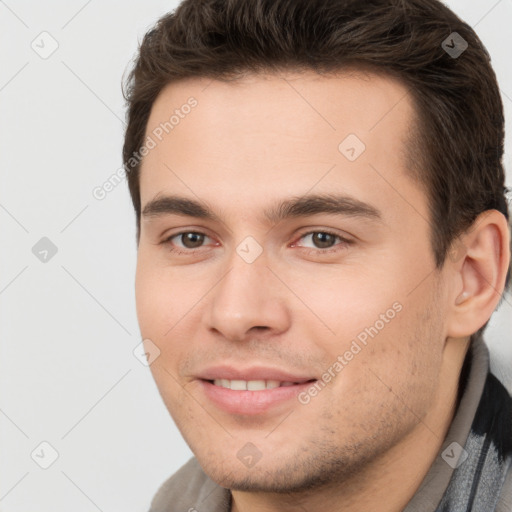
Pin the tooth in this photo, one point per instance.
(251, 385)
(238, 385)
(255, 385)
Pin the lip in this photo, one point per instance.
(250, 402)
(252, 373)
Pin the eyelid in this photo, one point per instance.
(343, 241)
(167, 239)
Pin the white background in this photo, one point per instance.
(68, 327)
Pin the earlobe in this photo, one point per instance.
(482, 273)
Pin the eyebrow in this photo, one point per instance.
(294, 207)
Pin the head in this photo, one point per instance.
(350, 121)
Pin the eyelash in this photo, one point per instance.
(344, 242)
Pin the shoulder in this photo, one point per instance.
(186, 489)
(505, 503)
(502, 394)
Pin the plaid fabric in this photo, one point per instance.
(477, 483)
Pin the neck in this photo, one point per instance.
(392, 479)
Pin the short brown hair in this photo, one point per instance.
(457, 148)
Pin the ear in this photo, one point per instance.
(478, 264)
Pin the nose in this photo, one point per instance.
(248, 300)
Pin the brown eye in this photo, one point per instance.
(320, 239)
(186, 242)
(192, 240)
(323, 240)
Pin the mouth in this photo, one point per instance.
(252, 397)
(255, 385)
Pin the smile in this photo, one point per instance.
(252, 397)
(251, 385)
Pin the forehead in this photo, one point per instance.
(255, 138)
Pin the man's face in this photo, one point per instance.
(344, 301)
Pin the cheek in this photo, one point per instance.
(147, 297)
(169, 309)
(162, 297)
(344, 303)
(408, 354)
(385, 340)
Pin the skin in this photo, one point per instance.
(366, 441)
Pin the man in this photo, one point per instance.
(322, 238)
